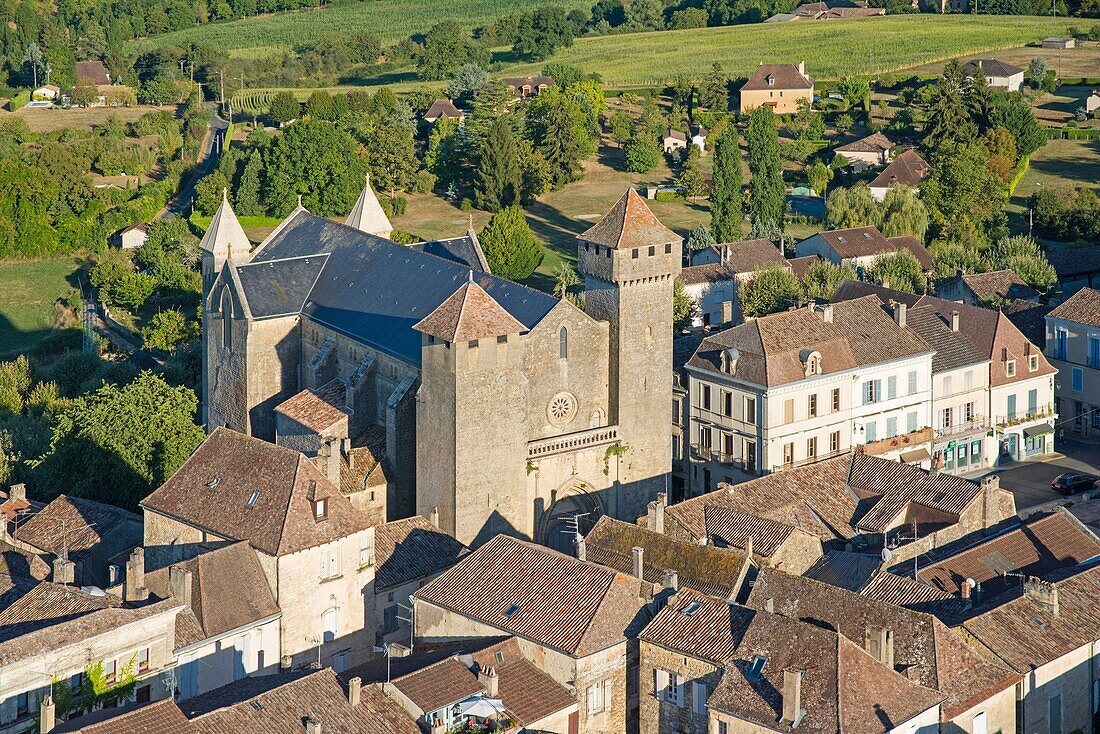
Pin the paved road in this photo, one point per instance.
(180, 204)
(1030, 482)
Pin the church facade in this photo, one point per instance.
(495, 407)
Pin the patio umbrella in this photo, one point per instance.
(481, 707)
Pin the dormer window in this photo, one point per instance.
(1010, 368)
(1033, 362)
(770, 80)
(729, 360)
(320, 508)
(811, 362)
(756, 667)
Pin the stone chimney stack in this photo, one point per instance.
(1043, 593)
(312, 725)
(135, 577)
(64, 570)
(824, 312)
(792, 696)
(639, 562)
(671, 580)
(286, 662)
(954, 321)
(582, 548)
(656, 513)
(880, 645)
(489, 679)
(355, 690)
(899, 313)
(18, 492)
(179, 581)
(802, 68)
(47, 714)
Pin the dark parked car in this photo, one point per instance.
(1072, 483)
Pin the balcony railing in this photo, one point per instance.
(978, 424)
(896, 443)
(1045, 411)
(812, 459)
(572, 441)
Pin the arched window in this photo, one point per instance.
(227, 319)
(563, 342)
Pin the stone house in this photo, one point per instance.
(134, 236)
(410, 553)
(992, 289)
(860, 246)
(315, 548)
(1092, 102)
(1073, 347)
(979, 695)
(445, 109)
(714, 278)
(804, 385)
(573, 619)
(559, 395)
(1047, 632)
(908, 169)
(528, 86)
(86, 532)
(674, 140)
(999, 74)
(872, 150)
(779, 86)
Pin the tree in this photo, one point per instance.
(726, 200)
(1002, 152)
(319, 105)
(322, 164)
(769, 290)
(819, 175)
(645, 15)
(823, 278)
(467, 81)
(621, 125)
(899, 270)
(852, 207)
(248, 195)
(902, 212)
(510, 246)
(1025, 257)
(642, 151)
(167, 329)
(1037, 71)
(767, 202)
(448, 47)
(391, 155)
(284, 108)
(714, 89)
(1013, 112)
(499, 178)
(564, 75)
(558, 128)
(34, 57)
(683, 308)
(84, 95)
(208, 192)
(949, 117)
(700, 238)
(690, 181)
(542, 32)
(961, 189)
(855, 89)
(566, 282)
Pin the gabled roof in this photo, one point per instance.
(706, 569)
(698, 625)
(442, 108)
(1083, 307)
(874, 143)
(727, 527)
(92, 72)
(749, 255)
(280, 287)
(535, 81)
(225, 236)
(991, 67)
(317, 410)
(1001, 285)
(367, 215)
(908, 169)
(411, 549)
(676, 134)
(1069, 262)
(244, 488)
(465, 251)
(470, 313)
(22, 564)
(76, 525)
(539, 594)
(855, 242)
(925, 649)
(953, 350)
(630, 224)
(159, 717)
(783, 76)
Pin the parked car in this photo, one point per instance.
(1071, 483)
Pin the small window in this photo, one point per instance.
(320, 509)
(1010, 368)
(668, 248)
(498, 656)
(1033, 362)
(143, 660)
(811, 447)
(811, 406)
(563, 343)
(22, 704)
(652, 250)
(836, 399)
(788, 453)
(691, 608)
(756, 667)
(511, 610)
(110, 671)
(634, 253)
(252, 499)
(834, 442)
(366, 551)
(472, 344)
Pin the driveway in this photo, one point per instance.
(1030, 481)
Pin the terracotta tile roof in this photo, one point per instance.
(904, 592)
(1030, 318)
(442, 108)
(228, 589)
(772, 349)
(925, 649)
(899, 485)
(849, 570)
(844, 690)
(534, 81)
(873, 143)
(411, 549)
(544, 596)
(317, 410)
(470, 313)
(75, 524)
(1037, 547)
(1003, 285)
(749, 255)
(159, 717)
(439, 685)
(991, 67)
(730, 527)
(908, 169)
(530, 694)
(1025, 634)
(783, 76)
(92, 72)
(244, 488)
(707, 569)
(706, 273)
(676, 134)
(698, 625)
(278, 704)
(1082, 307)
(629, 224)
(857, 242)
(801, 265)
(20, 563)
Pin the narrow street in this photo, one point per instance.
(180, 204)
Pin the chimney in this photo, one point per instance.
(954, 321)
(313, 726)
(792, 697)
(639, 562)
(748, 548)
(135, 577)
(47, 714)
(355, 688)
(769, 605)
(1043, 593)
(582, 548)
(433, 516)
(18, 492)
(655, 519)
(825, 312)
(179, 581)
(899, 313)
(489, 679)
(671, 580)
(64, 570)
(727, 311)
(964, 592)
(286, 663)
(958, 273)
(880, 645)
(802, 68)
(991, 482)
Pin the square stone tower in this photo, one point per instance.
(630, 261)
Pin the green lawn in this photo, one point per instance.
(1058, 163)
(30, 288)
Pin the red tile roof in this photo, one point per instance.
(1082, 307)
(317, 410)
(783, 76)
(908, 169)
(699, 626)
(630, 224)
(411, 549)
(470, 313)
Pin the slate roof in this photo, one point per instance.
(1037, 547)
(908, 169)
(873, 143)
(1070, 262)
(991, 67)
(707, 569)
(953, 351)
(213, 489)
(630, 224)
(280, 287)
(1082, 307)
(466, 251)
(373, 290)
(1030, 318)
(470, 313)
(442, 108)
(1002, 285)
(1025, 634)
(411, 549)
(772, 349)
(925, 649)
(784, 76)
(228, 590)
(726, 526)
(555, 600)
(75, 524)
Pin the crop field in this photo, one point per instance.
(389, 20)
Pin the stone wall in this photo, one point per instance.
(656, 716)
(273, 362)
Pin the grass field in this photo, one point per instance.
(29, 290)
(1068, 62)
(1058, 163)
(46, 120)
(389, 20)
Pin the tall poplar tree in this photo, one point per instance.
(726, 200)
(767, 201)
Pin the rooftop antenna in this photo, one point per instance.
(384, 648)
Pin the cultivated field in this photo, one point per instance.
(1069, 62)
(28, 290)
(389, 20)
(41, 119)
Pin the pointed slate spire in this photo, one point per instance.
(225, 238)
(367, 215)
